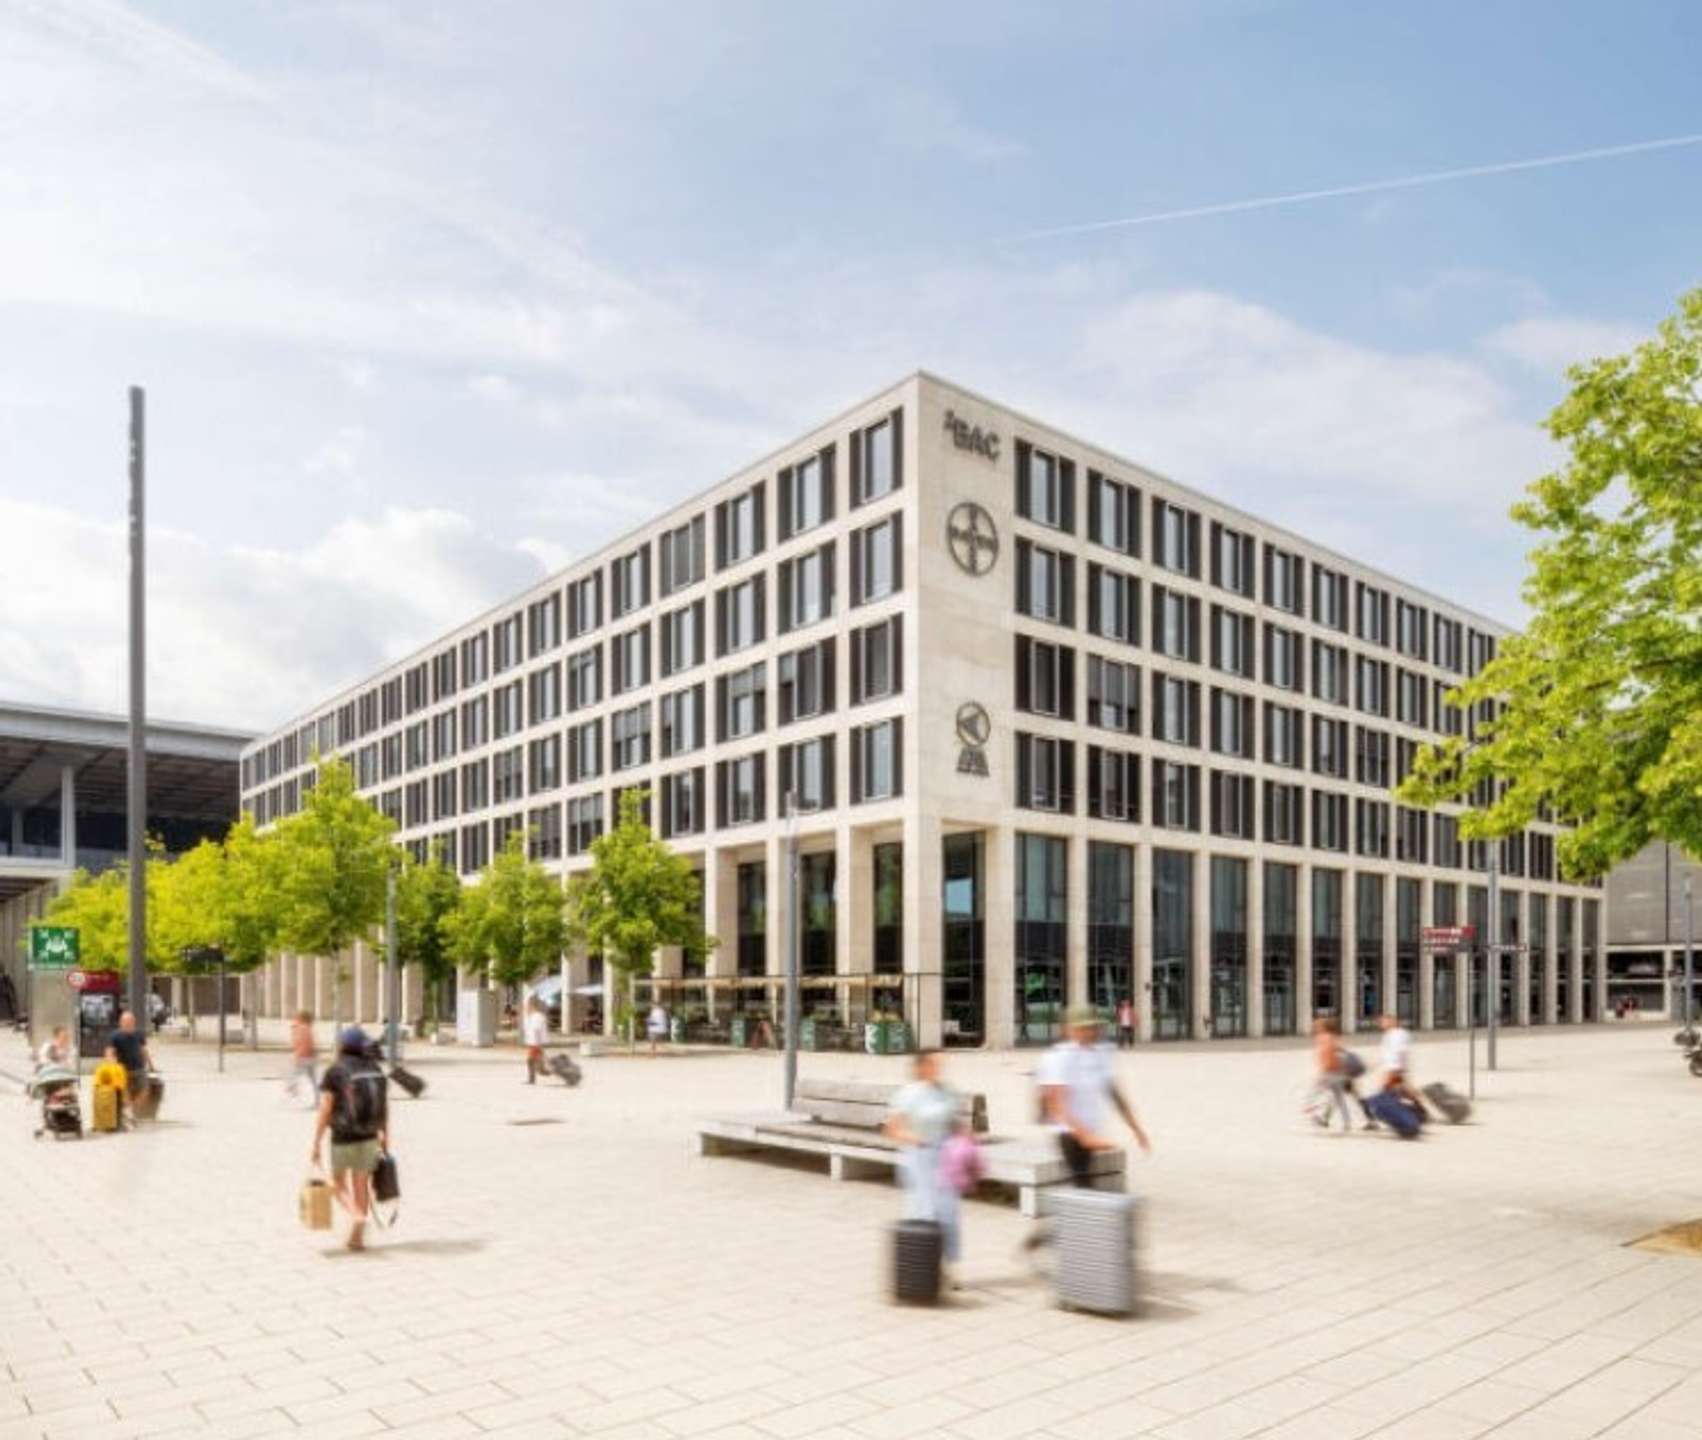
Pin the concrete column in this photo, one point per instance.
(1522, 963)
(1349, 1002)
(1550, 972)
(1303, 1015)
(999, 915)
(1391, 924)
(1199, 968)
(1143, 942)
(1426, 961)
(923, 938)
(1462, 988)
(68, 816)
(358, 981)
(1075, 935)
(1255, 947)
(854, 932)
(780, 914)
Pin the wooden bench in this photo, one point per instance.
(843, 1121)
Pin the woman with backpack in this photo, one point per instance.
(353, 1106)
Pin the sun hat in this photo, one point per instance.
(1082, 1015)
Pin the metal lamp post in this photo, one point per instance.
(793, 1005)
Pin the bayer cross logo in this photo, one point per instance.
(973, 728)
(972, 538)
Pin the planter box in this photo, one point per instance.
(739, 1032)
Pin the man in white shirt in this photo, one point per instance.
(1079, 1093)
(535, 1030)
(1394, 1058)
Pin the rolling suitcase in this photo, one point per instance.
(409, 1081)
(917, 1246)
(1093, 1232)
(105, 1117)
(1453, 1106)
(1387, 1108)
(563, 1066)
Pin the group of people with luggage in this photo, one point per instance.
(125, 1088)
(1394, 1104)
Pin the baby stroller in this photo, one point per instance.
(61, 1109)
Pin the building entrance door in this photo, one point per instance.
(1444, 992)
(964, 982)
(1170, 986)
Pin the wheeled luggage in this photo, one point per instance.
(147, 1101)
(563, 1067)
(917, 1247)
(1401, 1116)
(1093, 1233)
(1450, 1104)
(409, 1081)
(105, 1117)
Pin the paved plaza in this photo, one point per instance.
(585, 1274)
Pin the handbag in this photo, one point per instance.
(313, 1203)
(386, 1182)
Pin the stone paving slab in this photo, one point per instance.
(588, 1276)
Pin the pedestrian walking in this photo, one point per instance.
(131, 1048)
(656, 1025)
(353, 1106)
(1394, 1059)
(1079, 1094)
(1335, 1069)
(303, 1057)
(56, 1049)
(922, 1121)
(1126, 1023)
(537, 1031)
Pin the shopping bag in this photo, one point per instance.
(314, 1203)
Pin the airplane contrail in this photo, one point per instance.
(1369, 187)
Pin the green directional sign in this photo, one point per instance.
(53, 947)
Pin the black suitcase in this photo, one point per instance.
(562, 1066)
(1450, 1104)
(409, 1081)
(917, 1247)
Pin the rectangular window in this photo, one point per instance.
(1329, 598)
(1371, 757)
(543, 625)
(1045, 583)
(585, 605)
(1045, 773)
(1045, 487)
(1175, 795)
(475, 786)
(1045, 678)
(1175, 710)
(584, 823)
(629, 737)
(876, 557)
(505, 643)
(680, 556)
(414, 804)
(877, 762)
(806, 682)
(543, 695)
(1329, 821)
(806, 588)
(1176, 538)
(1175, 624)
(415, 683)
(1450, 647)
(1231, 642)
(508, 775)
(1329, 673)
(1450, 720)
(443, 675)
(1284, 658)
(682, 638)
(507, 710)
(1232, 805)
(443, 745)
(682, 721)
(1329, 747)
(1113, 784)
(1232, 723)
(1232, 560)
(1372, 612)
(683, 803)
(877, 459)
(543, 764)
(443, 795)
(806, 774)
(877, 669)
(806, 494)
(1285, 735)
(475, 722)
(544, 842)
(629, 658)
(741, 790)
(1371, 828)
(1285, 813)
(1412, 835)
(1412, 629)
(418, 743)
(1113, 514)
(584, 752)
(1412, 696)
(740, 616)
(585, 678)
(742, 702)
(740, 531)
(1113, 695)
(629, 583)
(1480, 650)
(1372, 685)
(1285, 581)
(475, 848)
(1113, 604)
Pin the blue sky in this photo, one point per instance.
(430, 298)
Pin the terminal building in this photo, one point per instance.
(1651, 899)
(1047, 728)
(63, 801)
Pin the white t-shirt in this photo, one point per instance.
(657, 1023)
(1085, 1073)
(537, 1027)
(929, 1110)
(1395, 1052)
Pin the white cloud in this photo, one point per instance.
(1552, 343)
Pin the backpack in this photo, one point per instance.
(961, 1162)
(361, 1102)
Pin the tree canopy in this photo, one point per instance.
(511, 923)
(428, 895)
(1598, 703)
(330, 865)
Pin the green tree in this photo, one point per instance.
(98, 907)
(330, 864)
(637, 896)
(511, 925)
(428, 895)
(1599, 702)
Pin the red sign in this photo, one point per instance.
(1449, 937)
(76, 979)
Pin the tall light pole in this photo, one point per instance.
(392, 969)
(136, 808)
(1492, 969)
(793, 1007)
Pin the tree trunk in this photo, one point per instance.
(189, 991)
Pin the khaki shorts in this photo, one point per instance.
(357, 1155)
